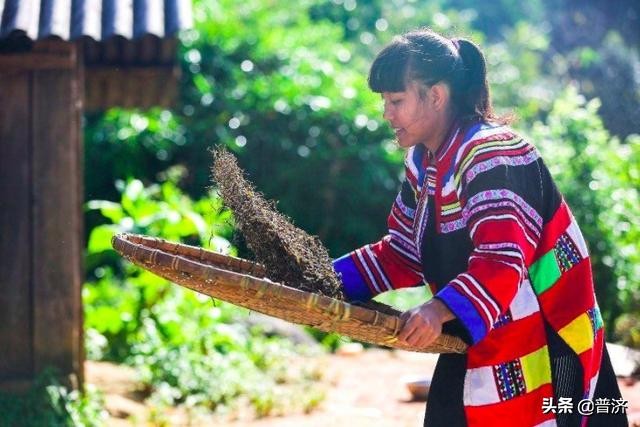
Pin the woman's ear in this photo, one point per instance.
(439, 96)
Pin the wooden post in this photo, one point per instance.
(41, 219)
(16, 345)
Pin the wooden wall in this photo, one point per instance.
(40, 213)
(140, 73)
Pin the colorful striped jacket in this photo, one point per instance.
(482, 223)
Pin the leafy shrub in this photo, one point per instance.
(600, 178)
(627, 329)
(48, 403)
(188, 350)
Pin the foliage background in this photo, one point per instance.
(283, 85)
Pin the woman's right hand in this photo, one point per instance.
(423, 324)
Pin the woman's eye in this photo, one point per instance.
(396, 102)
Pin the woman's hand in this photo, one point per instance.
(423, 324)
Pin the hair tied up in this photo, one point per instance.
(473, 96)
(427, 57)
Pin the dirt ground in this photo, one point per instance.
(355, 397)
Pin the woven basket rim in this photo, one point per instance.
(226, 278)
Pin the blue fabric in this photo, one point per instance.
(475, 129)
(465, 311)
(354, 287)
(418, 154)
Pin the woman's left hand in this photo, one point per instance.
(423, 324)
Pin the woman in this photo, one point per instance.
(479, 219)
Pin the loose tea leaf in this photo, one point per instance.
(290, 255)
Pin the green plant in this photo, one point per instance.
(188, 350)
(118, 295)
(49, 403)
(312, 400)
(283, 85)
(627, 328)
(585, 161)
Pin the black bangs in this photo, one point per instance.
(389, 70)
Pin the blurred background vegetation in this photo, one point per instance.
(283, 85)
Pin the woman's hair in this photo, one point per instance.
(427, 57)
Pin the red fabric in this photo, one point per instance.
(395, 266)
(552, 230)
(561, 302)
(524, 336)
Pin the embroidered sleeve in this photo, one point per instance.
(391, 263)
(499, 188)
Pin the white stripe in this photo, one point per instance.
(516, 267)
(455, 135)
(525, 302)
(420, 221)
(509, 205)
(492, 199)
(404, 227)
(366, 268)
(504, 195)
(475, 298)
(548, 423)
(449, 187)
(408, 256)
(482, 134)
(500, 245)
(498, 217)
(482, 149)
(476, 168)
(513, 254)
(410, 250)
(404, 243)
(480, 387)
(482, 292)
(406, 210)
(592, 384)
(377, 266)
(409, 162)
(404, 238)
(574, 232)
(501, 145)
(401, 250)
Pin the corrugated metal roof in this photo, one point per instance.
(97, 19)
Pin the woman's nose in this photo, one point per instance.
(386, 114)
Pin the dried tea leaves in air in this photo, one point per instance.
(290, 255)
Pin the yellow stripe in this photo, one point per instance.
(536, 368)
(452, 206)
(472, 152)
(578, 334)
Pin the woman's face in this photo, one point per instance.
(413, 116)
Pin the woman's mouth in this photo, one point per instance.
(399, 132)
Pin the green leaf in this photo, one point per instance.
(100, 238)
(110, 210)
